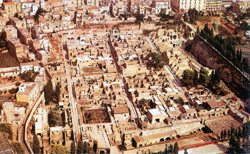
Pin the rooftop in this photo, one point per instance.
(120, 110)
(215, 104)
(154, 112)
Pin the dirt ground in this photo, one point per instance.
(94, 116)
(210, 20)
(224, 27)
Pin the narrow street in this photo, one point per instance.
(129, 103)
(73, 103)
(176, 82)
(21, 129)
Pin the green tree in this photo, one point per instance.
(196, 78)
(176, 148)
(225, 134)
(206, 29)
(36, 145)
(163, 12)
(243, 26)
(185, 17)
(234, 142)
(58, 149)
(222, 135)
(204, 78)
(155, 60)
(28, 76)
(54, 117)
(139, 18)
(188, 77)
(95, 146)
(171, 148)
(80, 147)
(166, 149)
(212, 78)
(245, 131)
(228, 134)
(3, 43)
(48, 92)
(226, 46)
(218, 74)
(73, 148)
(193, 15)
(86, 147)
(185, 151)
(38, 13)
(58, 92)
(111, 10)
(198, 30)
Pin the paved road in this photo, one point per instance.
(172, 78)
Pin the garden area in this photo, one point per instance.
(226, 47)
(94, 116)
(144, 105)
(29, 76)
(213, 82)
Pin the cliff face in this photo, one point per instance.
(209, 58)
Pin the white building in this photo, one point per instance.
(9, 71)
(213, 5)
(185, 5)
(159, 5)
(28, 92)
(156, 116)
(41, 120)
(29, 7)
(30, 66)
(92, 2)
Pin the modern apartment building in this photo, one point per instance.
(159, 5)
(185, 5)
(213, 5)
